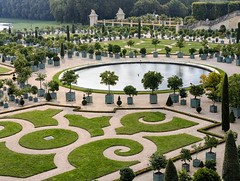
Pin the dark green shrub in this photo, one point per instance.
(48, 97)
(232, 117)
(126, 174)
(169, 101)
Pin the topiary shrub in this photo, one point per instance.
(84, 101)
(169, 101)
(126, 174)
(21, 102)
(199, 109)
(232, 117)
(48, 97)
(119, 102)
(211, 164)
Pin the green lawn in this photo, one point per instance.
(23, 165)
(39, 118)
(166, 144)
(93, 125)
(131, 125)
(90, 162)
(20, 24)
(10, 128)
(4, 70)
(35, 140)
(147, 43)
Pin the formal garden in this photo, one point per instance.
(105, 132)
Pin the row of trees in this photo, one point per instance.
(26, 9)
(200, 10)
(230, 171)
(78, 10)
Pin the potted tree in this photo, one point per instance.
(196, 90)
(192, 51)
(116, 51)
(143, 52)
(152, 80)
(89, 98)
(186, 156)
(53, 86)
(41, 77)
(234, 93)
(110, 50)
(236, 50)
(210, 142)
(213, 95)
(155, 42)
(50, 55)
(56, 60)
(83, 48)
(109, 78)
(68, 78)
(124, 51)
(183, 95)
(174, 83)
(196, 161)
(130, 91)
(180, 44)
(212, 85)
(34, 91)
(130, 43)
(98, 47)
(157, 162)
(168, 50)
(91, 52)
(5, 103)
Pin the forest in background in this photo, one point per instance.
(77, 11)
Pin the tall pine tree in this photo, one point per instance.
(225, 105)
(170, 172)
(231, 167)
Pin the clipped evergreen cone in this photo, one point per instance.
(48, 97)
(232, 117)
(169, 101)
(21, 102)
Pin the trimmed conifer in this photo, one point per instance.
(68, 33)
(139, 29)
(232, 117)
(62, 51)
(169, 101)
(170, 172)
(48, 97)
(225, 105)
(238, 33)
(231, 167)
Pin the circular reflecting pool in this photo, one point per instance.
(132, 74)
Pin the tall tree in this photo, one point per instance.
(171, 172)
(231, 167)
(68, 33)
(139, 29)
(225, 104)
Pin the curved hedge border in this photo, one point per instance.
(56, 77)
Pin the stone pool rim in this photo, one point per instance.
(99, 64)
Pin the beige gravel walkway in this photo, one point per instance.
(141, 101)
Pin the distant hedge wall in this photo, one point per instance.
(211, 10)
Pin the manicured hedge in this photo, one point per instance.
(201, 10)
